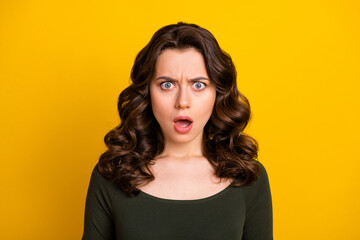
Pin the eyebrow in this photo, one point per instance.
(171, 79)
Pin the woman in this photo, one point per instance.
(179, 165)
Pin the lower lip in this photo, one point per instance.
(182, 129)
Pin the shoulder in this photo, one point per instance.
(263, 176)
(97, 176)
(99, 182)
(258, 223)
(260, 186)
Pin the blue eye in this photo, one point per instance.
(166, 85)
(198, 85)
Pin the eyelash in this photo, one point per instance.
(173, 83)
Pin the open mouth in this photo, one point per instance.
(183, 123)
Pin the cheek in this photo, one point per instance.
(160, 108)
(208, 105)
(208, 108)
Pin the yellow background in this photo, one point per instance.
(64, 63)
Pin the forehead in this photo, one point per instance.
(175, 62)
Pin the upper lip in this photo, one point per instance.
(183, 118)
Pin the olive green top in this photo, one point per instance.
(234, 213)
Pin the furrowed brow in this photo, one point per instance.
(171, 79)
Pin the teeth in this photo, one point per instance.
(183, 123)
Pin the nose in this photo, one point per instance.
(183, 98)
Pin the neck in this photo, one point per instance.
(182, 150)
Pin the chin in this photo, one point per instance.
(184, 138)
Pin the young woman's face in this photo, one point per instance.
(181, 87)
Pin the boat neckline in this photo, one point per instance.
(187, 201)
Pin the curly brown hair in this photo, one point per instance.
(137, 140)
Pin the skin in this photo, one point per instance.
(181, 171)
(182, 97)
